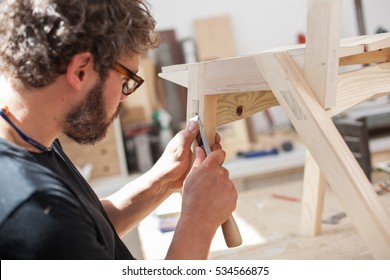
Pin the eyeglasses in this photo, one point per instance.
(132, 83)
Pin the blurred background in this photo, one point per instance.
(263, 151)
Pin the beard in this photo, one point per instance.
(88, 122)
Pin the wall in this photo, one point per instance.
(262, 24)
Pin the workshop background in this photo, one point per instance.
(265, 157)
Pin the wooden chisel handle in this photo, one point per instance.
(231, 233)
(230, 230)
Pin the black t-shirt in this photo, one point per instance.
(48, 210)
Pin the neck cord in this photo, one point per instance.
(4, 113)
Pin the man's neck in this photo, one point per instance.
(30, 113)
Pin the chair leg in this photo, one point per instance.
(206, 107)
(314, 185)
(329, 150)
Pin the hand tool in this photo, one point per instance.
(333, 220)
(230, 230)
(260, 153)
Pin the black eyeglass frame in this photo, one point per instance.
(129, 75)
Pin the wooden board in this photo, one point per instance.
(360, 85)
(246, 76)
(321, 59)
(314, 185)
(353, 87)
(320, 71)
(214, 38)
(236, 106)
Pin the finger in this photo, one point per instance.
(190, 132)
(226, 171)
(216, 147)
(200, 156)
(186, 137)
(216, 157)
(217, 138)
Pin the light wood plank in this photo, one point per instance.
(380, 41)
(241, 68)
(214, 38)
(209, 117)
(314, 185)
(320, 72)
(233, 75)
(178, 77)
(360, 85)
(206, 107)
(195, 92)
(370, 42)
(329, 150)
(353, 88)
(382, 55)
(237, 106)
(322, 48)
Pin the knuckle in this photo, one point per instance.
(233, 190)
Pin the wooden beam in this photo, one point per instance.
(353, 88)
(377, 42)
(227, 74)
(360, 85)
(236, 106)
(196, 90)
(323, 48)
(329, 150)
(320, 71)
(206, 107)
(377, 56)
(314, 186)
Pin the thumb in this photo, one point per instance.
(189, 134)
(200, 156)
(192, 130)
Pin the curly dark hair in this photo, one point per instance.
(39, 38)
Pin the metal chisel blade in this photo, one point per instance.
(204, 141)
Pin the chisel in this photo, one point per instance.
(230, 230)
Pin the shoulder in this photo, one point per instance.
(49, 225)
(22, 176)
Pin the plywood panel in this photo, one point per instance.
(214, 38)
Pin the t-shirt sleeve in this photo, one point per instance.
(51, 226)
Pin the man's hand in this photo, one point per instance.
(209, 198)
(175, 162)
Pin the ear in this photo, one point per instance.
(79, 69)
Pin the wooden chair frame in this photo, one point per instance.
(305, 81)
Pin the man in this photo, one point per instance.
(66, 65)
